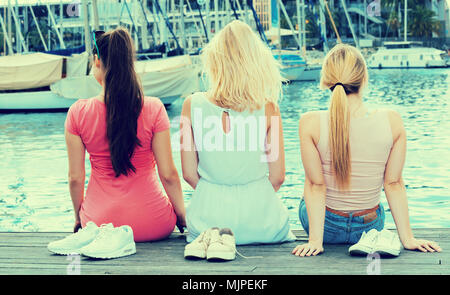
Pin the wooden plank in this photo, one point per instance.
(26, 253)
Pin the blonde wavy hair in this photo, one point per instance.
(242, 71)
(343, 64)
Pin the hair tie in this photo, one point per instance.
(338, 83)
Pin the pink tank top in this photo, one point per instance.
(136, 200)
(370, 146)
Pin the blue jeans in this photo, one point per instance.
(343, 230)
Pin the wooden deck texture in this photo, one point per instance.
(26, 253)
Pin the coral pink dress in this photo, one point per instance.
(136, 200)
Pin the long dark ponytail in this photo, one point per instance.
(123, 97)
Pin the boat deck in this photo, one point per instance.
(26, 253)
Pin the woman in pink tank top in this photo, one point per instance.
(126, 136)
(349, 153)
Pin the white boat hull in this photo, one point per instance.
(302, 73)
(38, 100)
(404, 58)
(45, 101)
(167, 79)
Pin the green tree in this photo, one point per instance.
(422, 22)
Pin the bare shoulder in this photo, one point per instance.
(309, 119)
(394, 116)
(187, 102)
(396, 123)
(272, 109)
(309, 126)
(186, 109)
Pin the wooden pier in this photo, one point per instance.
(25, 253)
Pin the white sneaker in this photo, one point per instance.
(222, 245)
(111, 242)
(388, 244)
(365, 244)
(73, 243)
(197, 248)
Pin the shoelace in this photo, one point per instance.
(225, 242)
(104, 230)
(204, 238)
(370, 238)
(247, 257)
(208, 239)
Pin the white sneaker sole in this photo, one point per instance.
(189, 253)
(388, 252)
(220, 255)
(360, 250)
(64, 251)
(126, 250)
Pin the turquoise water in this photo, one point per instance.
(34, 192)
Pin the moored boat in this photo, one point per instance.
(38, 83)
(406, 54)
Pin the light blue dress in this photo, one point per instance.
(234, 190)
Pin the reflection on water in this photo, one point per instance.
(34, 192)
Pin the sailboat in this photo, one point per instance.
(293, 64)
(34, 81)
(407, 54)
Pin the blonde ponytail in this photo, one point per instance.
(344, 72)
(339, 136)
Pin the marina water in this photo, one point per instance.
(34, 193)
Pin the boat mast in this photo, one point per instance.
(279, 28)
(323, 27)
(53, 22)
(281, 5)
(20, 41)
(355, 38)
(208, 17)
(87, 34)
(365, 19)
(182, 25)
(6, 38)
(299, 25)
(95, 10)
(405, 29)
(38, 28)
(303, 22)
(216, 16)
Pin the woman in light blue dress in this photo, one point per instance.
(232, 142)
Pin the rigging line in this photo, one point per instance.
(146, 20)
(169, 26)
(203, 23)
(332, 22)
(258, 23)
(234, 9)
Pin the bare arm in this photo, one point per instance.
(395, 190)
(315, 189)
(168, 174)
(275, 144)
(189, 157)
(76, 153)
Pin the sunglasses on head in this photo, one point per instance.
(95, 36)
